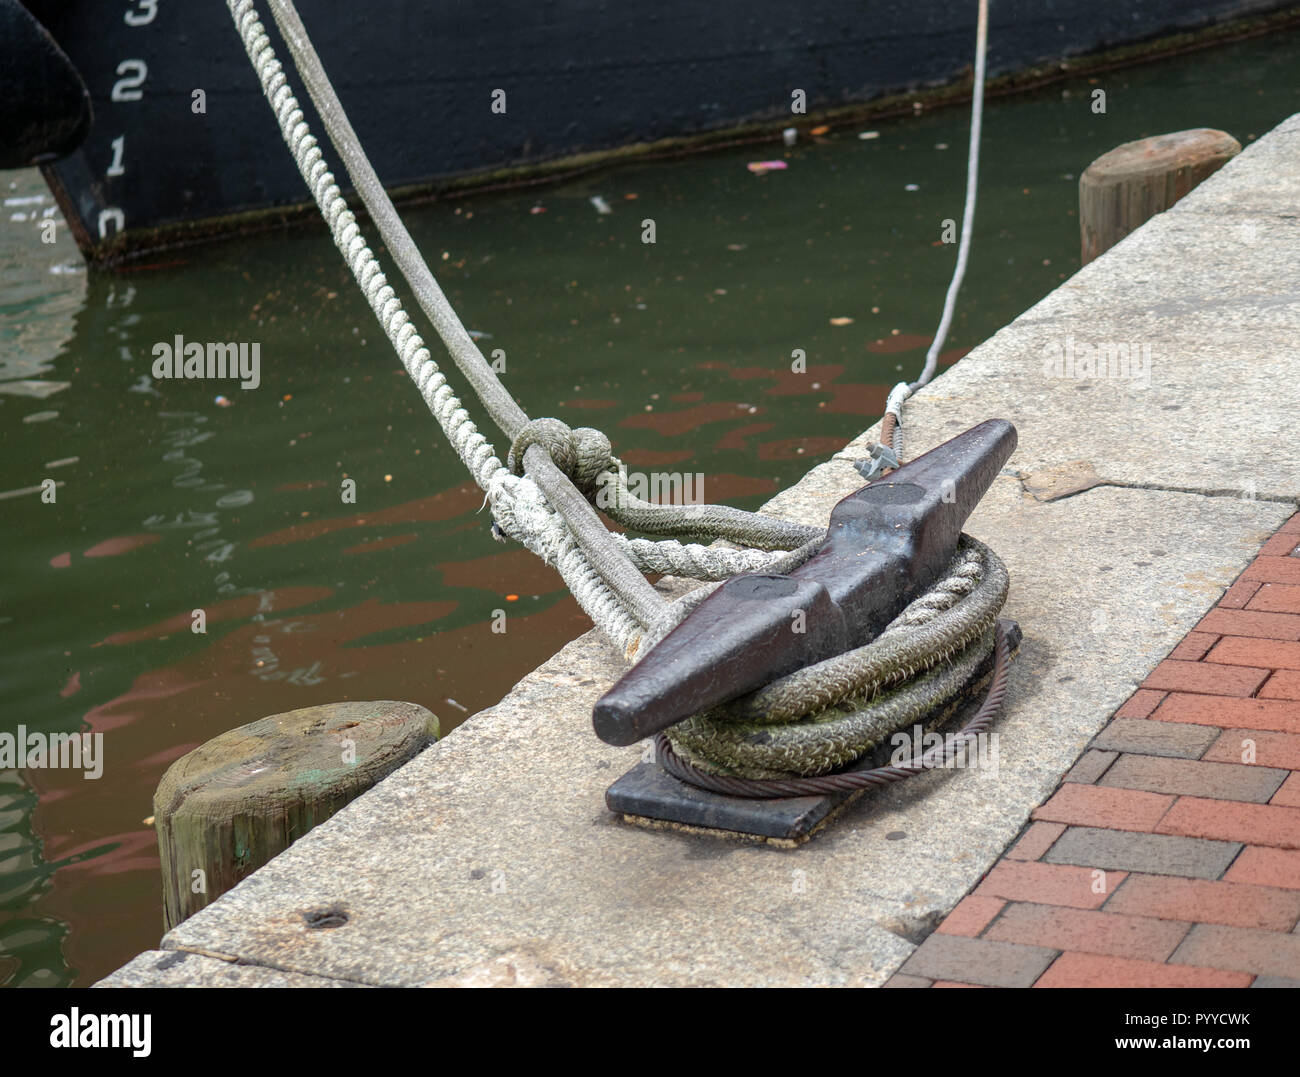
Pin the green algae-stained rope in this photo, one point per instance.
(813, 721)
(854, 780)
(957, 610)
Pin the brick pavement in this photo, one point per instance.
(1169, 856)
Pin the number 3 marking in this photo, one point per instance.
(148, 9)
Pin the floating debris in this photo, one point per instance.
(537, 209)
(822, 130)
(866, 136)
(222, 401)
(841, 321)
(464, 710)
(912, 187)
(476, 334)
(790, 136)
(761, 167)
(33, 388)
(602, 207)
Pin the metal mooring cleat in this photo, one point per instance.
(887, 543)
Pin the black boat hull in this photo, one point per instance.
(579, 76)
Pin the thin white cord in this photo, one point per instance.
(968, 215)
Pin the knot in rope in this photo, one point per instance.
(582, 453)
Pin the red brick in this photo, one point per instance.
(1278, 715)
(1241, 592)
(1266, 867)
(1275, 598)
(1280, 545)
(1088, 932)
(1270, 749)
(1140, 704)
(1273, 570)
(1092, 970)
(1284, 684)
(1215, 680)
(971, 916)
(1037, 840)
(1251, 623)
(1245, 949)
(1227, 820)
(1194, 646)
(1111, 809)
(1292, 526)
(952, 983)
(1289, 795)
(1207, 902)
(1260, 653)
(1047, 884)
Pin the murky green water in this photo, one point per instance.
(170, 500)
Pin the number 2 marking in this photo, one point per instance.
(127, 88)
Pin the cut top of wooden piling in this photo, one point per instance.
(226, 808)
(1123, 189)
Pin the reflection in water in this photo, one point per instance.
(178, 496)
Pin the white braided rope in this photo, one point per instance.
(517, 504)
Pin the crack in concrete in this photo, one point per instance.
(248, 962)
(1229, 492)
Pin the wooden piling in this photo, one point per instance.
(226, 808)
(1123, 189)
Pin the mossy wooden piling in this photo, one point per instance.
(226, 808)
(1123, 189)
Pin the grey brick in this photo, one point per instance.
(1178, 740)
(1275, 981)
(1247, 949)
(1091, 766)
(1155, 854)
(1191, 777)
(900, 980)
(977, 961)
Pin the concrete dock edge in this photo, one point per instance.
(491, 858)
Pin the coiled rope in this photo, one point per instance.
(542, 495)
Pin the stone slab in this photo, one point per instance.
(172, 968)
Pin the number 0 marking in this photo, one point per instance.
(133, 73)
(107, 215)
(143, 17)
